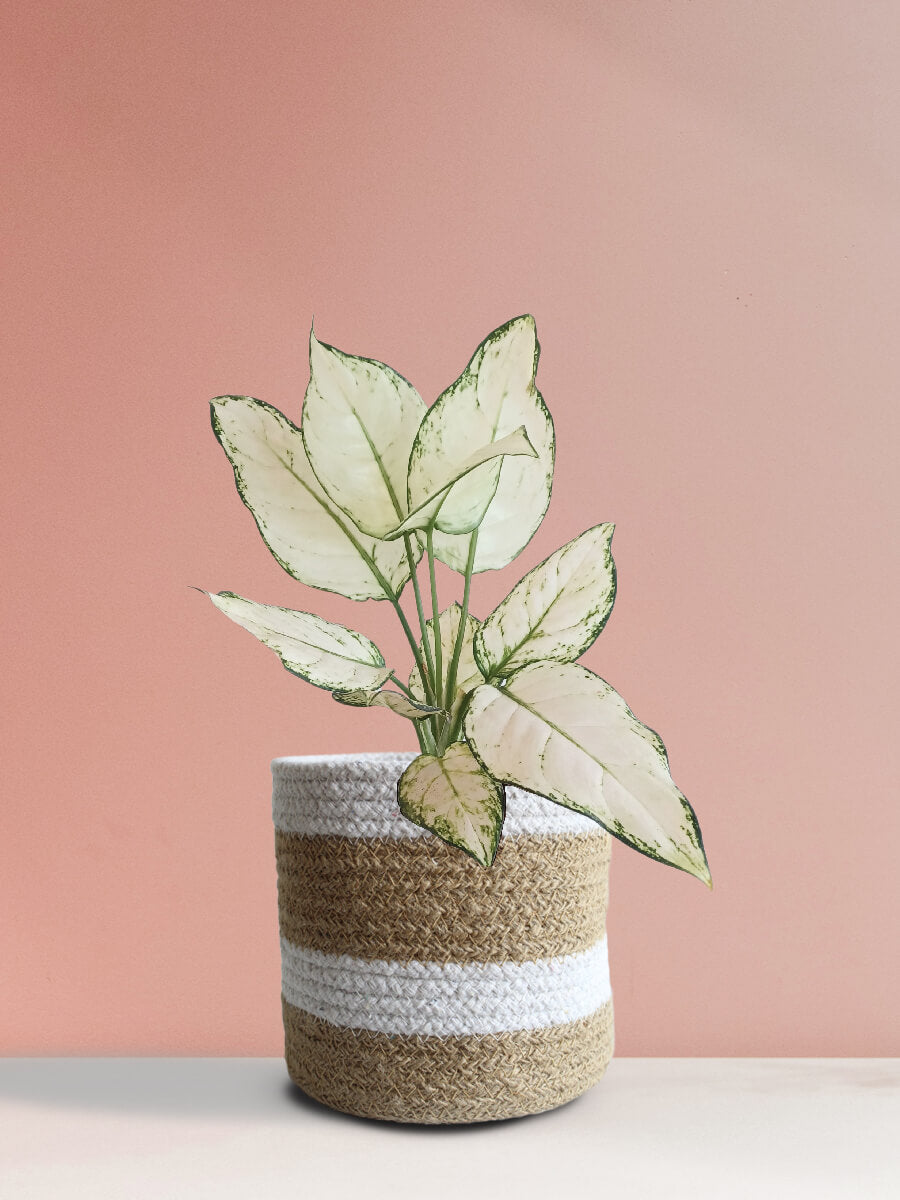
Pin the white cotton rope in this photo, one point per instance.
(335, 796)
(445, 999)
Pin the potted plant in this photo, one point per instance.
(442, 915)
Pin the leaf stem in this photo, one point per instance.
(414, 646)
(460, 633)
(420, 734)
(460, 718)
(436, 620)
(389, 592)
(421, 611)
(402, 686)
(426, 737)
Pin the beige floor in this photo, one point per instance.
(670, 1128)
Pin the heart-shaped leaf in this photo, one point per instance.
(430, 509)
(468, 675)
(454, 797)
(561, 731)
(555, 611)
(327, 655)
(360, 418)
(494, 395)
(366, 698)
(309, 536)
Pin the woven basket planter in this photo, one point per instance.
(418, 985)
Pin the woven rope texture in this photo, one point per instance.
(446, 1080)
(418, 985)
(413, 899)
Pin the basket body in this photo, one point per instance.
(419, 986)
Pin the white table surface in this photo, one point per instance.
(132, 1128)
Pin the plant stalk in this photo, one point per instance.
(425, 736)
(436, 622)
(407, 540)
(402, 686)
(460, 636)
(389, 592)
(414, 646)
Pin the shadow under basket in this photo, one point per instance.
(419, 986)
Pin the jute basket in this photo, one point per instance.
(418, 985)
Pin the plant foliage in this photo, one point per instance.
(374, 487)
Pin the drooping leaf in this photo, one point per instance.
(494, 395)
(561, 731)
(324, 654)
(430, 509)
(359, 422)
(395, 701)
(309, 536)
(556, 610)
(456, 799)
(468, 675)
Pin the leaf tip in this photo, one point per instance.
(523, 321)
(493, 855)
(315, 346)
(704, 874)
(528, 448)
(483, 855)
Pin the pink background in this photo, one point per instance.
(699, 203)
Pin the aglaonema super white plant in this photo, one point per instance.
(374, 487)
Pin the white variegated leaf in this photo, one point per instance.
(430, 510)
(327, 655)
(359, 422)
(309, 536)
(561, 731)
(555, 611)
(395, 701)
(494, 395)
(468, 675)
(456, 799)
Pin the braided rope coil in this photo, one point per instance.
(418, 986)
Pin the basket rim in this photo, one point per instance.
(373, 756)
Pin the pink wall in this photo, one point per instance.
(698, 202)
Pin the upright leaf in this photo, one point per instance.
(359, 422)
(556, 610)
(366, 698)
(468, 675)
(309, 536)
(494, 395)
(324, 654)
(561, 731)
(456, 799)
(463, 518)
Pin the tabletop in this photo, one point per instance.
(236, 1127)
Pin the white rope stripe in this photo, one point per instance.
(355, 796)
(445, 999)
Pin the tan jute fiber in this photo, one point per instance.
(419, 986)
(421, 899)
(445, 1080)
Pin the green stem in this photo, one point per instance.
(402, 686)
(410, 637)
(420, 735)
(436, 621)
(461, 632)
(389, 592)
(456, 728)
(426, 737)
(421, 611)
